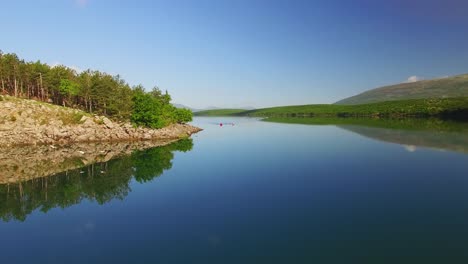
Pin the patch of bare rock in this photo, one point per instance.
(28, 122)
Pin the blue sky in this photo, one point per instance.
(245, 53)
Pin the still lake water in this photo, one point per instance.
(255, 192)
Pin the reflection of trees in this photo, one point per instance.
(100, 182)
(151, 162)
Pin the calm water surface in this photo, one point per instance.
(255, 192)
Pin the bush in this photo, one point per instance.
(183, 115)
(155, 111)
(146, 110)
(71, 118)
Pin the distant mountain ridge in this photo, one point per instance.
(455, 86)
(185, 107)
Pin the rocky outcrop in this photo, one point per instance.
(28, 122)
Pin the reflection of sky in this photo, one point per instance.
(85, 230)
(262, 189)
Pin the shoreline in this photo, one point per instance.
(48, 160)
(27, 122)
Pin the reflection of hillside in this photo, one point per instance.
(98, 177)
(412, 132)
(453, 141)
(427, 124)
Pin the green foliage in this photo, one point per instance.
(183, 115)
(68, 87)
(154, 110)
(146, 110)
(220, 112)
(92, 91)
(447, 108)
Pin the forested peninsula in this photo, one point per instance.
(43, 104)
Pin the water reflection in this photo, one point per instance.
(44, 178)
(411, 133)
(413, 139)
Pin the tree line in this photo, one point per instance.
(93, 91)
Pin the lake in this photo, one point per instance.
(245, 192)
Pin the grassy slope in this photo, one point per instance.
(456, 86)
(406, 108)
(219, 112)
(423, 98)
(43, 113)
(410, 108)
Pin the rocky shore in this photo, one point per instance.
(29, 122)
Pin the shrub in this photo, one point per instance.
(155, 111)
(71, 118)
(146, 110)
(183, 115)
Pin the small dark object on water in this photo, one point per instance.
(221, 124)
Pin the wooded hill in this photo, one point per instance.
(93, 91)
(453, 108)
(445, 97)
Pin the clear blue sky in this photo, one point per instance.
(245, 53)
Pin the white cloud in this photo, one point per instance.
(76, 68)
(73, 67)
(413, 78)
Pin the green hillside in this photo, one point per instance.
(450, 107)
(219, 112)
(455, 86)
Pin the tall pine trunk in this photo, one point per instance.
(16, 88)
(42, 87)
